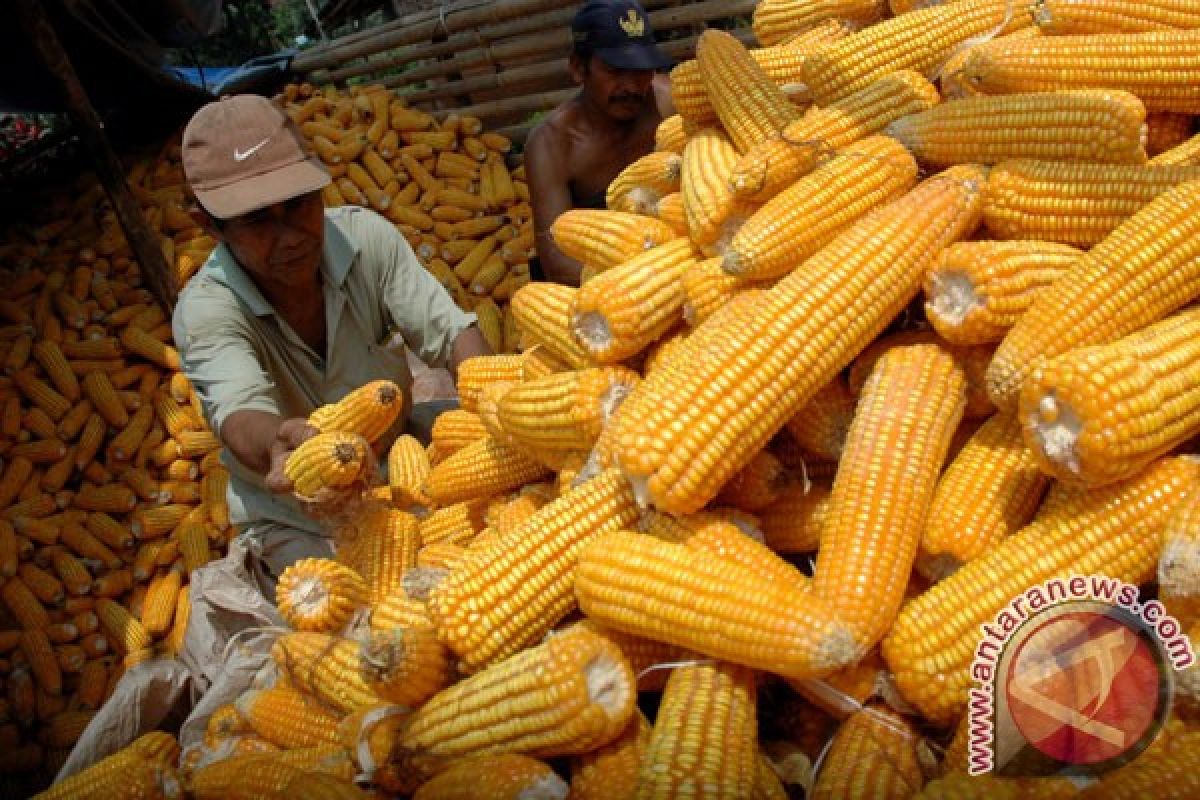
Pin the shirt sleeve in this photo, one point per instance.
(218, 357)
(415, 304)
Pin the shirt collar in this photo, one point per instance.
(337, 256)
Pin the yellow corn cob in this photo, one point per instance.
(1091, 126)
(601, 239)
(611, 772)
(500, 777)
(756, 485)
(543, 314)
(1186, 154)
(978, 290)
(441, 555)
(750, 106)
(327, 667)
(1106, 16)
(670, 136)
(322, 786)
(820, 427)
(149, 523)
(405, 665)
(803, 218)
(670, 212)
(778, 21)
(920, 40)
(121, 627)
(380, 544)
(564, 412)
(40, 451)
(908, 411)
(490, 319)
(1114, 531)
(873, 755)
(457, 428)
(99, 390)
(140, 342)
(18, 354)
(620, 312)
(638, 584)
(479, 470)
(1115, 289)
(1071, 203)
(989, 491)
(508, 593)
(42, 395)
(368, 411)
(195, 444)
(287, 717)
(774, 354)
(639, 187)
(399, 610)
(408, 467)
(457, 523)
(1101, 414)
(705, 735)
(183, 611)
(569, 695)
(707, 287)
(1167, 772)
(1179, 564)
(175, 418)
(1153, 66)
(16, 474)
(54, 364)
(124, 445)
(476, 373)
(42, 662)
(319, 594)
(708, 200)
(123, 774)
(247, 774)
(158, 609)
(328, 460)
(793, 523)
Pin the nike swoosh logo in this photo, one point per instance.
(238, 155)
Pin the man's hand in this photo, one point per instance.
(290, 435)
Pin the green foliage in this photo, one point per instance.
(250, 30)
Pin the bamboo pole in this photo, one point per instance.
(528, 103)
(144, 242)
(453, 21)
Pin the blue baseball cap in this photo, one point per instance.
(619, 33)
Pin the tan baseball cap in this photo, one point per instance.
(242, 153)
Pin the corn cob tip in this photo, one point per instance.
(345, 452)
(837, 650)
(1179, 567)
(418, 582)
(952, 297)
(608, 684)
(593, 331)
(1053, 428)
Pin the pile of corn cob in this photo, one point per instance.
(446, 185)
(110, 487)
(749, 378)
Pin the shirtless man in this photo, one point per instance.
(574, 154)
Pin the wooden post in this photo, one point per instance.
(145, 243)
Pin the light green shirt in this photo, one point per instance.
(240, 356)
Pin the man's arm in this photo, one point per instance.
(263, 441)
(550, 195)
(468, 344)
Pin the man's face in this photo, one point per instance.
(280, 243)
(621, 93)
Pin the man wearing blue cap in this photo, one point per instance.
(574, 154)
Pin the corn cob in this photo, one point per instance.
(638, 187)
(602, 239)
(99, 390)
(704, 737)
(522, 580)
(637, 583)
(873, 755)
(750, 106)
(778, 342)
(122, 627)
(756, 485)
(476, 373)
(1105, 16)
(670, 136)
(988, 492)
(800, 220)
(380, 544)
(48, 354)
(610, 772)
(480, 470)
(1114, 530)
(780, 21)
(1071, 203)
(24, 606)
(620, 312)
(919, 40)
(123, 774)
(820, 427)
(321, 595)
(287, 717)
(328, 461)
(327, 667)
(158, 609)
(708, 201)
(793, 523)
(408, 467)
(405, 665)
(859, 547)
(543, 314)
(1091, 430)
(707, 288)
(571, 694)
(566, 411)
(39, 652)
(1117, 288)
(368, 411)
(1186, 154)
(500, 777)
(41, 394)
(1179, 565)
(978, 290)
(456, 429)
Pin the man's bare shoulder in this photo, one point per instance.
(553, 133)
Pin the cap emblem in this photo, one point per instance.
(238, 155)
(633, 24)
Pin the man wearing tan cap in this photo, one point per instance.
(294, 309)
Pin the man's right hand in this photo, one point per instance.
(290, 435)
